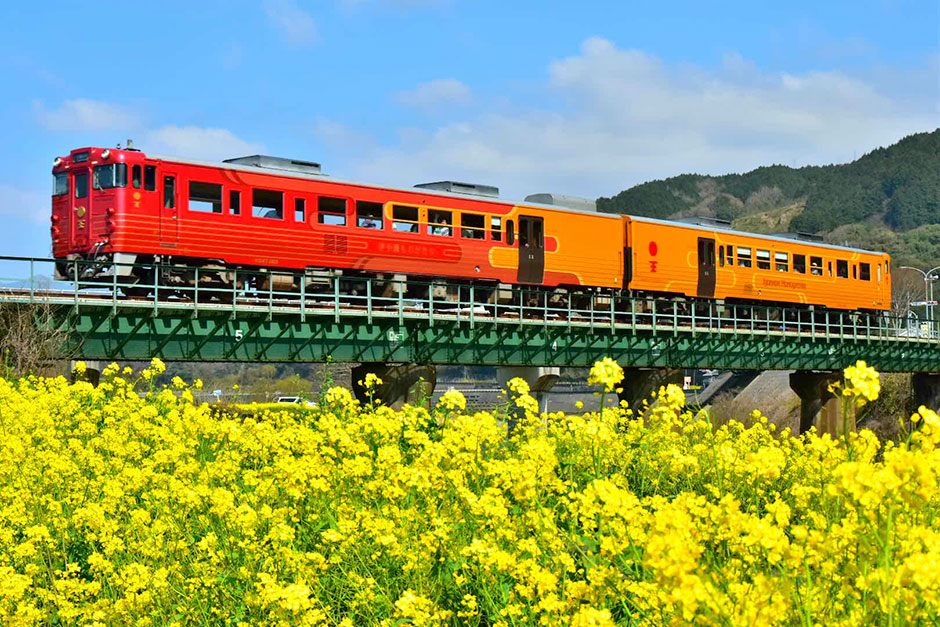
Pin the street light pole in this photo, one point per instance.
(928, 289)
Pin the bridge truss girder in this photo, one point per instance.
(125, 333)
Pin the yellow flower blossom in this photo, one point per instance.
(607, 373)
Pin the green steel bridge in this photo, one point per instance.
(356, 320)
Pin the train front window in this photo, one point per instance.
(440, 222)
(842, 268)
(781, 262)
(60, 184)
(110, 176)
(81, 184)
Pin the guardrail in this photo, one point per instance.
(95, 284)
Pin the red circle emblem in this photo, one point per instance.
(653, 249)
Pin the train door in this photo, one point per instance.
(531, 249)
(81, 212)
(706, 267)
(169, 209)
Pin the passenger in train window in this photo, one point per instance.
(816, 266)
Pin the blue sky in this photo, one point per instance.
(576, 98)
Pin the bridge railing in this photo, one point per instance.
(83, 283)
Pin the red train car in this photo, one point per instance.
(263, 212)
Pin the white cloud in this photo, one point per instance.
(25, 204)
(195, 142)
(435, 94)
(631, 118)
(295, 24)
(82, 114)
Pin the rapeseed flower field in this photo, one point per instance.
(129, 504)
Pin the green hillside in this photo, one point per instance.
(889, 199)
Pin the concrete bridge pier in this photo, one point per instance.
(541, 379)
(401, 383)
(926, 390)
(819, 406)
(92, 372)
(640, 383)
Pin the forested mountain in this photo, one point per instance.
(889, 199)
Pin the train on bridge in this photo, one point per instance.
(152, 220)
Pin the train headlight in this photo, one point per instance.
(57, 162)
(105, 153)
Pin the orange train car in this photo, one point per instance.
(116, 207)
(708, 262)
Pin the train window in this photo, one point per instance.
(842, 268)
(60, 184)
(864, 271)
(331, 211)
(854, 271)
(169, 192)
(235, 202)
(267, 203)
(150, 178)
(300, 210)
(510, 232)
(781, 262)
(405, 219)
(109, 176)
(887, 267)
(815, 266)
(799, 263)
(878, 265)
(721, 256)
(205, 197)
(473, 226)
(829, 264)
(369, 214)
(763, 259)
(81, 184)
(136, 176)
(744, 257)
(496, 229)
(730, 254)
(440, 222)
